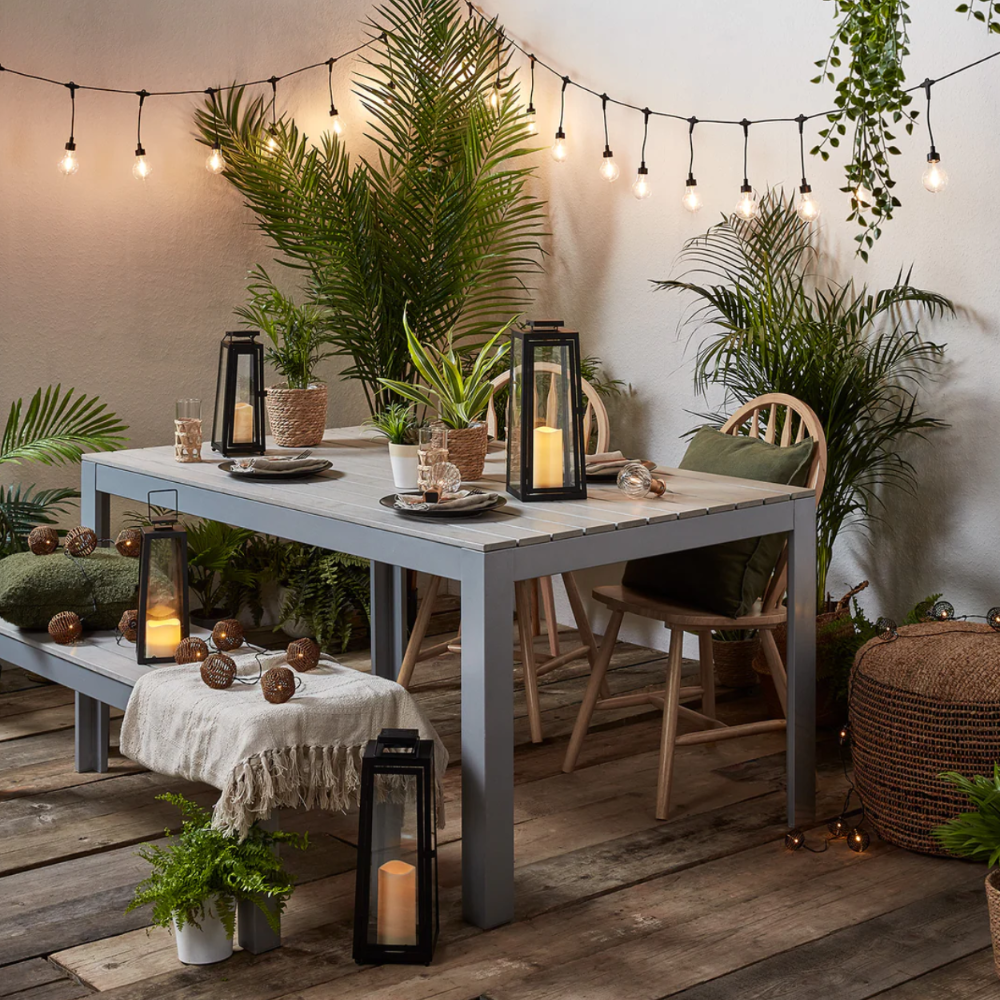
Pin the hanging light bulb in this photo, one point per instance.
(746, 207)
(496, 95)
(559, 150)
(691, 200)
(863, 196)
(609, 169)
(808, 208)
(141, 169)
(216, 162)
(641, 188)
(271, 143)
(530, 121)
(69, 164)
(338, 129)
(935, 178)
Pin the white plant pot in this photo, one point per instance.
(296, 628)
(204, 945)
(403, 458)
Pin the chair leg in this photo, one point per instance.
(671, 703)
(549, 606)
(594, 687)
(777, 668)
(536, 618)
(583, 626)
(522, 600)
(412, 654)
(707, 665)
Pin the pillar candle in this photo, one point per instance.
(397, 903)
(243, 423)
(162, 635)
(547, 460)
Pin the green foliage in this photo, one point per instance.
(440, 217)
(216, 570)
(297, 333)
(203, 862)
(460, 395)
(395, 422)
(774, 325)
(974, 834)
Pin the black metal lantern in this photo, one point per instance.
(238, 427)
(163, 590)
(545, 447)
(396, 901)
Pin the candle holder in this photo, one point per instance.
(187, 430)
(238, 427)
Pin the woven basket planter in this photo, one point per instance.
(993, 901)
(297, 416)
(467, 450)
(734, 662)
(925, 703)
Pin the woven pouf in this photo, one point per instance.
(926, 702)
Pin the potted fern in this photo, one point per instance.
(296, 409)
(198, 878)
(398, 425)
(460, 394)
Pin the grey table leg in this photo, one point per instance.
(253, 932)
(802, 665)
(384, 614)
(92, 734)
(95, 507)
(399, 618)
(487, 738)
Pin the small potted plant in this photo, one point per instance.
(398, 425)
(296, 409)
(460, 393)
(197, 880)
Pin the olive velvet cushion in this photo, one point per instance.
(724, 579)
(34, 588)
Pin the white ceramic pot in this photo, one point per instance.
(403, 458)
(204, 945)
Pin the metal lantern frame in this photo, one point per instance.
(399, 752)
(540, 336)
(237, 344)
(161, 528)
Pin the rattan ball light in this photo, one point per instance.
(65, 627)
(278, 685)
(303, 654)
(43, 540)
(129, 542)
(191, 650)
(80, 541)
(227, 635)
(129, 626)
(219, 671)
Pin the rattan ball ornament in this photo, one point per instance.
(129, 626)
(43, 540)
(794, 839)
(303, 654)
(65, 627)
(278, 685)
(993, 619)
(943, 611)
(838, 828)
(129, 542)
(80, 541)
(227, 635)
(219, 671)
(191, 650)
(886, 629)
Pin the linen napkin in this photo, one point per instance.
(261, 464)
(462, 500)
(606, 461)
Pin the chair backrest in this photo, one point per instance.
(773, 418)
(595, 416)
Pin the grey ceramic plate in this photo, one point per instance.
(390, 502)
(274, 473)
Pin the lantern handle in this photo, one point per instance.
(162, 520)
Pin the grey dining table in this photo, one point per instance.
(339, 510)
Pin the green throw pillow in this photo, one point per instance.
(725, 579)
(34, 588)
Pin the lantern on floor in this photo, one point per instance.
(163, 590)
(545, 418)
(396, 900)
(238, 427)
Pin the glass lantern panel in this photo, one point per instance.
(165, 595)
(552, 439)
(246, 397)
(515, 406)
(394, 911)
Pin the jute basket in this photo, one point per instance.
(297, 416)
(993, 901)
(467, 450)
(734, 662)
(926, 702)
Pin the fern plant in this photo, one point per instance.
(205, 865)
(974, 834)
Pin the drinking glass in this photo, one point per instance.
(187, 430)
(432, 449)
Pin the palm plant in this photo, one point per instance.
(397, 423)
(850, 353)
(974, 834)
(439, 217)
(55, 428)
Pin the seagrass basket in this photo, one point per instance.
(993, 901)
(467, 450)
(297, 416)
(734, 662)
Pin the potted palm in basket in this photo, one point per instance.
(398, 425)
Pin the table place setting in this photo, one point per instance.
(462, 503)
(276, 467)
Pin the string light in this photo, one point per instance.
(529, 112)
(338, 129)
(215, 162)
(863, 196)
(691, 200)
(993, 619)
(746, 207)
(391, 82)
(69, 164)
(943, 611)
(858, 840)
(495, 93)
(609, 169)
(935, 179)
(559, 151)
(641, 188)
(271, 145)
(140, 169)
(807, 207)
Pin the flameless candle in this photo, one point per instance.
(547, 460)
(242, 423)
(397, 903)
(163, 633)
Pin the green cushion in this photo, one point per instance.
(725, 579)
(34, 588)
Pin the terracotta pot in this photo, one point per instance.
(467, 450)
(993, 901)
(297, 416)
(734, 662)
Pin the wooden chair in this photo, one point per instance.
(528, 594)
(767, 416)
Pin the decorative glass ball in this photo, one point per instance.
(80, 542)
(636, 482)
(858, 840)
(43, 540)
(219, 671)
(191, 650)
(228, 635)
(993, 619)
(129, 542)
(129, 626)
(278, 685)
(886, 628)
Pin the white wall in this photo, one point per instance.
(124, 288)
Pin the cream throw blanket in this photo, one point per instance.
(305, 753)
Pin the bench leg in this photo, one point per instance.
(92, 734)
(254, 933)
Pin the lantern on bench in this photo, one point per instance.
(396, 900)
(238, 427)
(545, 447)
(162, 617)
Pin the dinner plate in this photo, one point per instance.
(275, 473)
(612, 476)
(442, 512)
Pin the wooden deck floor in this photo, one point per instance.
(611, 904)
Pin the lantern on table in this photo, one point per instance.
(163, 589)
(396, 901)
(545, 447)
(238, 427)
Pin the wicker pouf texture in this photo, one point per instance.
(927, 702)
(297, 416)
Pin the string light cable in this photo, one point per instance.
(609, 169)
(140, 169)
(641, 187)
(559, 151)
(495, 93)
(69, 164)
(935, 179)
(529, 111)
(338, 128)
(746, 207)
(807, 207)
(215, 162)
(692, 199)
